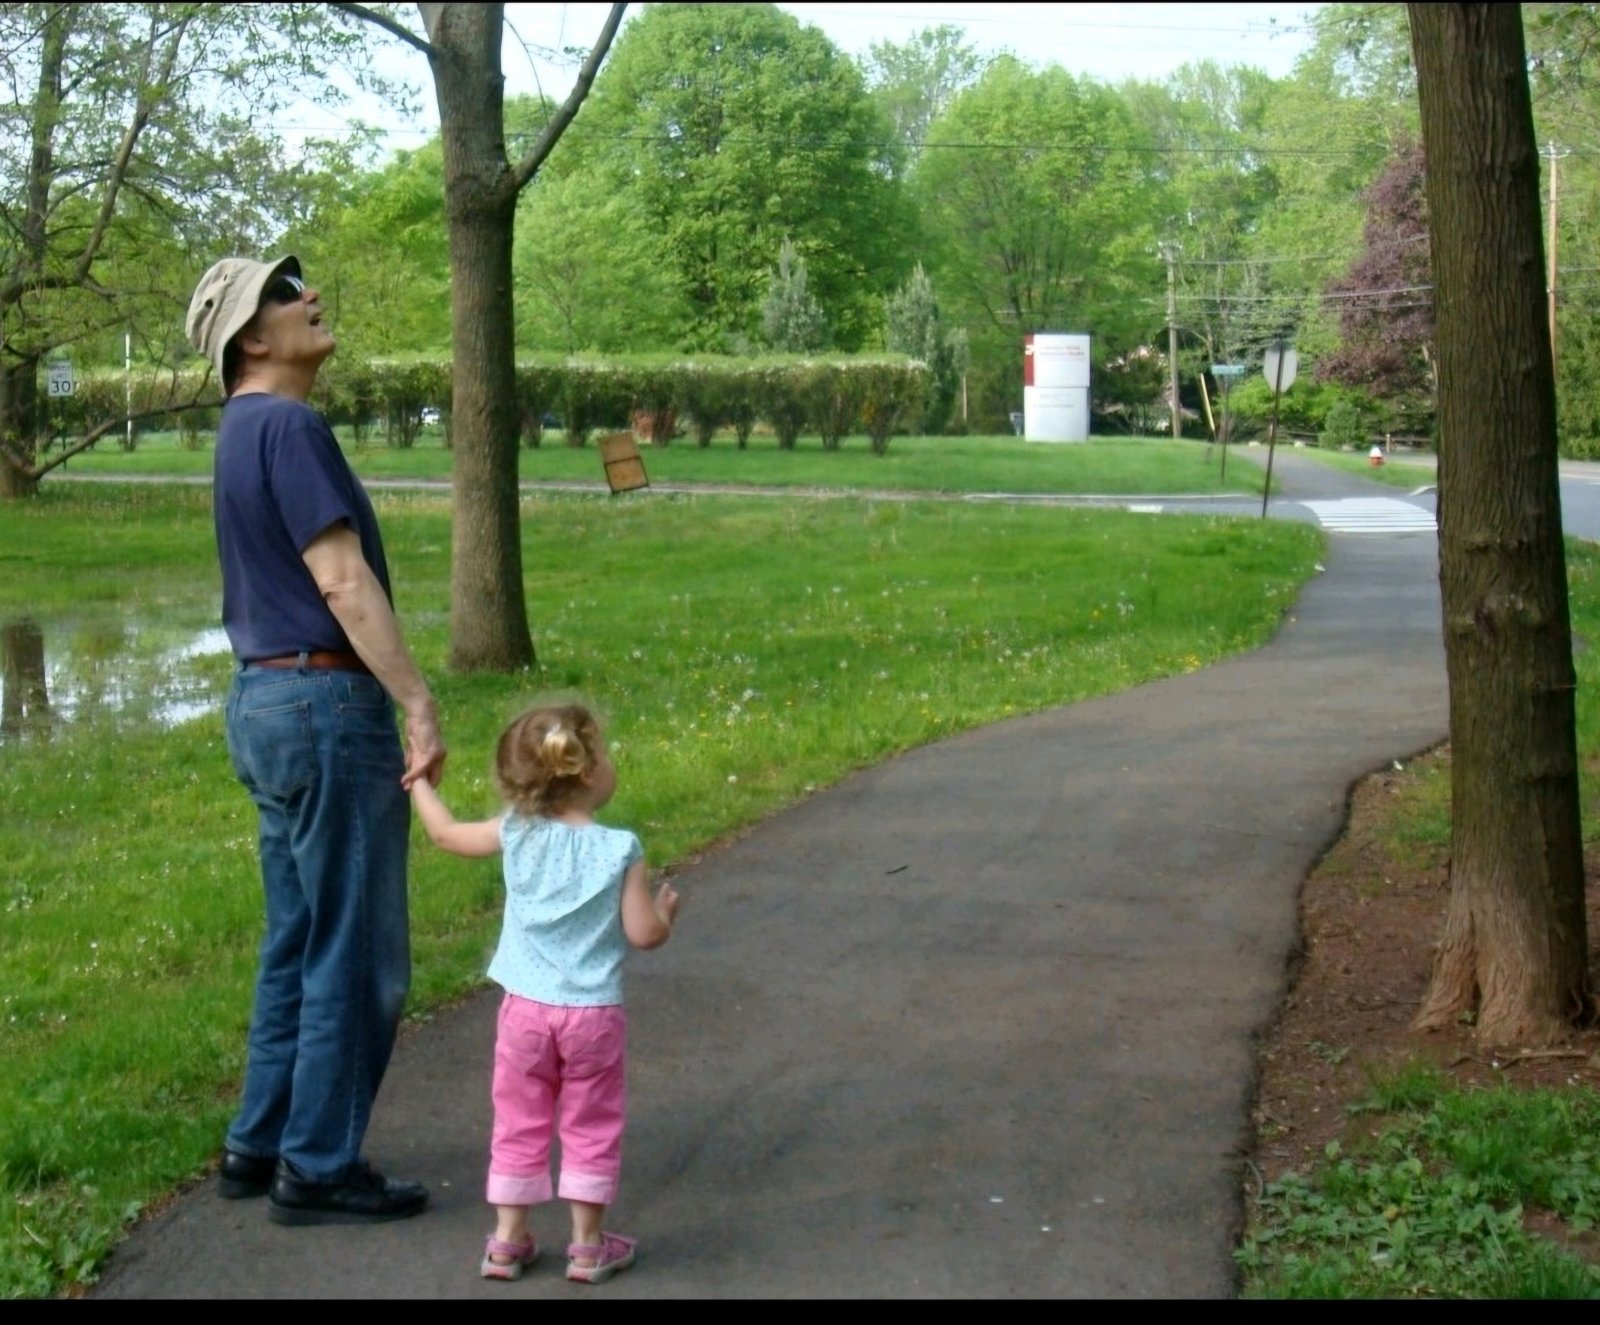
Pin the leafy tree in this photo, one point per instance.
(728, 127)
(1514, 950)
(1564, 59)
(591, 272)
(913, 326)
(1385, 299)
(1034, 184)
(402, 303)
(913, 81)
(1212, 188)
(791, 319)
(130, 149)
(1327, 132)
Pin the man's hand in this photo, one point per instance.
(425, 752)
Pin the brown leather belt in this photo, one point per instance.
(323, 660)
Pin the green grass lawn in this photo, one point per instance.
(747, 652)
(1133, 466)
(1433, 1207)
(1396, 472)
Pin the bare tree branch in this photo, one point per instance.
(525, 169)
(110, 425)
(14, 287)
(130, 138)
(387, 24)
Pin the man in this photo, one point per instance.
(312, 732)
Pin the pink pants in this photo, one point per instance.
(548, 1059)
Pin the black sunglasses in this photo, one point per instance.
(283, 289)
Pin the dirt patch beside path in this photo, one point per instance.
(1368, 923)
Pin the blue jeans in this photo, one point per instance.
(320, 754)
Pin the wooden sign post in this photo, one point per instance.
(624, 466)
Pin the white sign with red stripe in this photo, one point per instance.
(1055, 387)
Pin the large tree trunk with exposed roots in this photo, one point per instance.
(1514, 948)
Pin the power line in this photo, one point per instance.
(811, 144)
(1327, 295)
(1302, 257)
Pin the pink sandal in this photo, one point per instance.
(614, 1253)
(522, 1254)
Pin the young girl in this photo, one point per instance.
(576, 897)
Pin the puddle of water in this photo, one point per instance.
(78, 673)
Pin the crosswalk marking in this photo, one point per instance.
(1372, 515)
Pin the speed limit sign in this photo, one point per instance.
(58, 375)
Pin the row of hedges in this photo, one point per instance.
(834, 397)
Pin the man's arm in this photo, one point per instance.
(359, 604)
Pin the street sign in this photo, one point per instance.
(1270, 368)
(59, 379)
(1228, 370)
(1278, 366)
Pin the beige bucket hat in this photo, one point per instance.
(226, 299)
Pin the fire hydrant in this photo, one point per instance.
(1375, 456)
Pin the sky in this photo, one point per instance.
(1105, 41)
(1109, 41)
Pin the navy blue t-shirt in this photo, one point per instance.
(278, 481)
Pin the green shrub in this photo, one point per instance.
(1344, 428)
(831, 396)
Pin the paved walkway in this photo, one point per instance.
(975, 1023)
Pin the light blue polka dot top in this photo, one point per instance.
(562, 940)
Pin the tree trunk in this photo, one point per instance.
(19, 429)
(489, 618)
(1515, 946)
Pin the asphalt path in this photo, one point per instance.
(974, 1023)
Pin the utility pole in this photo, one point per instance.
(1550, 245)
(1167, 251)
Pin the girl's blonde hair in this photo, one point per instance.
(544, 756)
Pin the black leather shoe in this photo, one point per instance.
(361, 1197)
(242, 1176)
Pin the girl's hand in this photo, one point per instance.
(667, 902)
